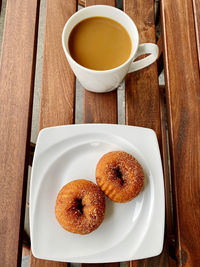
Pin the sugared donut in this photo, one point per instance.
(80, 207)
(120, 176)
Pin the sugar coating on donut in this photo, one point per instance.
(120, 176)
(80, 207)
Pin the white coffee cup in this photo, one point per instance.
(108, 80)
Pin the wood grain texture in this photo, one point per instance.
(114, 264)
(58, 81)
(183, 88)
(100, 108)
(143, 103)
(17, 71)
(43, 263)
(142, 92)
(196, 9)
(161, 261)
(100, 2)
(81, 2)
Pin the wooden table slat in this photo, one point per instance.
(99, 2)
(16, 95)
(142, 98)
(183, 87)
(113, 264)
(196, 9)
(100, 108)
(58, 81)
(44, 263)
(142, 91)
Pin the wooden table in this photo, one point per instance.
(172, 111)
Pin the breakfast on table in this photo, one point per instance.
(97, 174)
(80, 204)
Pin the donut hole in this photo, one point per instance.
(79, 205)
(119, 175)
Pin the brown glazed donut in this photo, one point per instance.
(120, 176)
(80, 207)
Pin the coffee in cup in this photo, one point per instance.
(99, 43)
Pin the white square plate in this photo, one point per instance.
(130, 231)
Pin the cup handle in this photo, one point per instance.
(147, 48)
